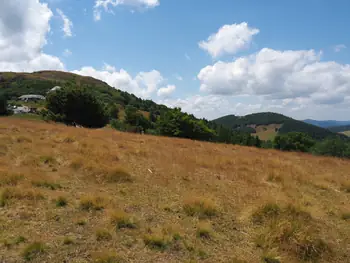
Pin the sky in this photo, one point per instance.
(211, 58)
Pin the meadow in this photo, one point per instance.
(82, 195)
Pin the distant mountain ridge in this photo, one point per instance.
(249, 122)
(327, 123)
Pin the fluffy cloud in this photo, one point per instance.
(166, 91)
(67, 24)
(144, 84)
(229, 39)
(23, 29)
(338, 48)
(277, 74)
(134, 4)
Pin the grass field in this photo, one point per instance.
(347, 133)
(267, 132)
(78, 195)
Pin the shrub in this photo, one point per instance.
(122, 220)
(200, 207)
(103, 234)
(294, 141)
(67, 105)
(61, 201)
(33, 250)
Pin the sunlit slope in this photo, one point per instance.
(79, 195)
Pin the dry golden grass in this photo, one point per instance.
(164, 199)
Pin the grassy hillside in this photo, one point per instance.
(77, 195)
(269, 118)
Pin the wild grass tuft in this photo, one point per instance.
(90, 203)
(200, 207)
(345, 216)
(107, 257)
(46, 184)
(268, 211)
(5, 195)
(103, 235)
(118, 175)
(10, 179)
(291, 230)
(122, 219)
(204, 230)
(68, 241)
(33, 250)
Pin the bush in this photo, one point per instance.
(76, 105)
(61, 201)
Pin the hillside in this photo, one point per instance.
(267, 119)
(327, 123)
(340, 128)
(13, 85)
(79, 195)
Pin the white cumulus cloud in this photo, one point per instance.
(67, 23)
(106, 5)
(143, 85)
(23, 29)
(166, 91)
(276, 74)
(230, 39)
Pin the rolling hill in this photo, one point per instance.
(81, 195)
(273, 123)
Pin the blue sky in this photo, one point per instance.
(211, 58)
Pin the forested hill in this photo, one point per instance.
(267, 118)
(13, 85)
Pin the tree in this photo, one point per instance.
(134, 118)
(294, 141)
(3, 106)
(76, 105)
(113, 111)
(175, 123)
(333, 147)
